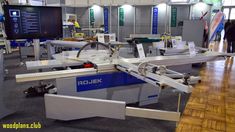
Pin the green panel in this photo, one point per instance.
(147, 40)
(212, 1)
(92, 17)
(173, 16)
(121, 17)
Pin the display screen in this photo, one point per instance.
(32, 22)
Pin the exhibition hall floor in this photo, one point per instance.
(211, 106)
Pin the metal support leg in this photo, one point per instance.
(178, 106)
(179, 100)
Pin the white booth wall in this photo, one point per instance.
(98, 15)
(183, 13)
(113, 22)
(82, 16)
(129, 20)
(143, 19)
(200, 8)
(137, 19)
(163, 19)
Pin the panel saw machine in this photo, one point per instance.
(107, 82)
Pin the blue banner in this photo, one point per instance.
(106, 20)
(155, 20)
(107, 80)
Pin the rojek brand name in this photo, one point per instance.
(89, 82)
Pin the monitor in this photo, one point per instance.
(32, 22)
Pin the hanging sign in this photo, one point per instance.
(92, 17)
(173, 16)
(106, 20)
(155, 20)
(121, 16)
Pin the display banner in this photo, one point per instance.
(92, 17)
(216, 25)
(106, 20)
(121, 16)
(173, 16)
(155, 20)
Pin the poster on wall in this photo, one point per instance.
(121, 16)
(173, 16)
(92, 17)
(155, 20)
(106, 20)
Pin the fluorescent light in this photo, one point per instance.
(126, 7)
(162, 5)
(95, 7)
(200, 6)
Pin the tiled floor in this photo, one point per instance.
(211, 107)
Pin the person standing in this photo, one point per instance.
(227, 24)
(230, 36)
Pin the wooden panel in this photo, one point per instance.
(152, 114)
(71, 108)
(212, 103)
(211, 107)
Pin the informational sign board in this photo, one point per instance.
(100, 37)
(106, 20)
(174, 43)
(106, 38)
(192, 50)
(140, 51)
(32, 22)
(173, 16)
(112, 37)
(155, 20)
(121, 16)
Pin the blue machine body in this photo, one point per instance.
(105, 80)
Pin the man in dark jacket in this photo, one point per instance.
(230, 36)
(227, 24)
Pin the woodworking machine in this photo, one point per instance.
(104, 87)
